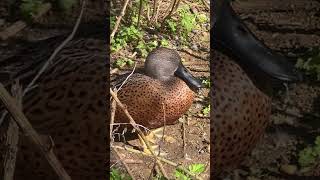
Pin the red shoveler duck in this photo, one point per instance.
(160, 94)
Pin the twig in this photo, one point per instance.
(164, 125)
(118, 20)
(56, 51)
(170, 9)
(184, 137)
(12, 106)
(134, 68)
(173, 9)
(162, 138)
(140, 12)
(133, 123)
(154, 11)
(205, 4)
(179, 167)
(113, 112)
(12, 138)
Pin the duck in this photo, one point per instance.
(159, 94)
(242, 72)
(67, 104)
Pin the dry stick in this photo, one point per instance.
(113, 112)
(179, 167)
(11, 145)
(134, 68)
(206, 4)
(119, 19)
(162, 138)
(57, 50)
(133, 123)
(184, 137)
(155, 2)
(175, 6)
(12, 106)
(12, 139)
(164, 124)
(170, 10)
(140, 12)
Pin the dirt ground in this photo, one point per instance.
(289, 27)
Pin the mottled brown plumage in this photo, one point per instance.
(149, 100)
(240, 114)
(157, 96)
(69, 104)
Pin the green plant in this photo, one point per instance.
(206, 82)
(66, 4)
(115, 174)
(310, 155)
(188, 20)
(30, 8)
(164, 43)
(120, 63)
(195, 169)
(202, 18)
(124, 36)
(310, 63)
(159, 177)
(185, 23)
(145, 48)
(206, 110)
(172, 25)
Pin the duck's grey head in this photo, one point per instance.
(164, 63)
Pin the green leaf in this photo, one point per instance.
(306, 157)
(66, 4)
(115, 174)
(197, 168)
(206, 110)
(181, 176)
(164, 43)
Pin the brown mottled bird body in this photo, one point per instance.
(151, 101)
(68, 104)
(240, 114)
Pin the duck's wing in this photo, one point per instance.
(27, 60)
(118, 80)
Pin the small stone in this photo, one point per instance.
(252, 178)
(2, 21)
(289, 169)
(194, 47)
